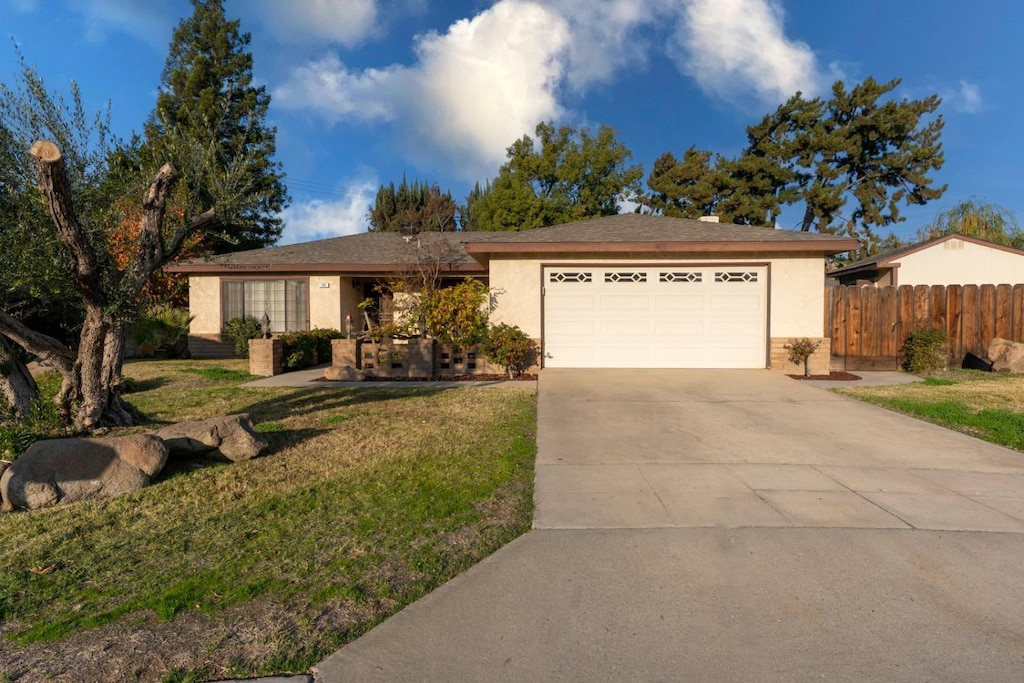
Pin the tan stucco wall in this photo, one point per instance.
(325, 302)
(350, 298)
(959, 262)
(796, 292)
(204, 304)
(797, 297)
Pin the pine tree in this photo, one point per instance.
(206, 90)
(856, 147)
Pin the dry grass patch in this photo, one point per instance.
(987, 405)
(366, 499)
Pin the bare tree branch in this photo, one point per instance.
(47, 348)
(53, 180)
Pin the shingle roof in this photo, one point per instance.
(365, 252)
(644, 233)
(383, 252)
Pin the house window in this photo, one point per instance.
(284, 301)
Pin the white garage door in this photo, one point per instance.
(655, 317)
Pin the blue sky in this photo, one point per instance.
(366, 90)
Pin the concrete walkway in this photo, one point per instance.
(312, 378)
(731, 526)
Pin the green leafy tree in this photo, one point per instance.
(207, 92)
(856, 148)
(420, 206)
(565, 175)
(975, 218)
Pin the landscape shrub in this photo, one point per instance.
(924, 350)
(457, 315)
(162, 330)
(303, 349)
(510, 347)
(241, 330)
(322, 338)
(298, 350)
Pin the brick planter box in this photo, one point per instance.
(413, 358)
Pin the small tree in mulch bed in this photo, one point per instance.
(800, 352)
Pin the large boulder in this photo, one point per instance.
(225, 437)
(1006, 355)
(56, 471)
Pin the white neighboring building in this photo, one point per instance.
(947, 260)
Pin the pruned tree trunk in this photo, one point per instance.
(17, 387)
(90, 393)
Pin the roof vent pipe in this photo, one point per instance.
(708, 219)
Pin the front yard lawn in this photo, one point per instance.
(987, 405)
(365, 500)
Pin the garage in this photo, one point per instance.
(663, 316)
(643, 291)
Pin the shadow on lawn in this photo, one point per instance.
(301, 400)
(134, 386)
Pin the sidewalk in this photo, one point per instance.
(310, 378)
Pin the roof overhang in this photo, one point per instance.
(353, 268)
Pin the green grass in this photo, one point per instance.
(987, 405)
(938, 382)
(219, 373)
(365, 500)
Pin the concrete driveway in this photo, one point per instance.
(788, 535)
(741, 448)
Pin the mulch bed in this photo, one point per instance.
(526, 377)
(834, 376)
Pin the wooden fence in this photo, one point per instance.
(868, 324)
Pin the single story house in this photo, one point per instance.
(630, 291)
(947, 260)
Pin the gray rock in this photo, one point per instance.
(344, 373)
(225, 437)
(56, 471)
(1006, 355)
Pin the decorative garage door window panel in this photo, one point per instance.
(570, 276)
(625, 276)
(680, 276)
(655, 317)
(733, 276)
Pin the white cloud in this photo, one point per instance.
(604, 37)
(489, 79)
(330, 88)
(344, 22)
(317, 218)
(966, 99)
(476, 88)
(729, 46)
